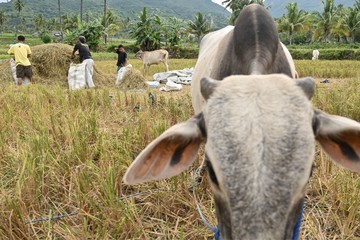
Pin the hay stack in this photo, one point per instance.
(133, 79)
(51, 61)
(51, 64)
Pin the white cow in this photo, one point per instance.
(259, 129)
(212, 52)
(316, 54)
(153, 57)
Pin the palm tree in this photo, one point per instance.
(111, 18)
(60, 20)
(293, 21)
(237, 5)
(357, 4)
(105, 9)
(18, 5)
(2, 20)
(81, 10)
(350, 23)
(200, 26)
(39, 22)
(326, 21)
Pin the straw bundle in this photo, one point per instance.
(51, 64)
(133, 79)
(51, 60)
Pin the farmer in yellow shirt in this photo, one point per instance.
(22, 53)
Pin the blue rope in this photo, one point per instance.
(217, 233)
(51, 218)
(296, 232)
(216, 230)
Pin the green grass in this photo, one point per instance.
(65, 152)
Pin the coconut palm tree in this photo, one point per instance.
(350, 23)
(293, 21)
(60, 20)
(39, 21)
(2, 19)
(105, 9)
(200, 26)
(19, 6)
(357, 4)
(325, 22)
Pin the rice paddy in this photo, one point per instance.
(63, 154)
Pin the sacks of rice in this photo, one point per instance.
(121, 73)
(77, 78)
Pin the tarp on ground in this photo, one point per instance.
(177, 76)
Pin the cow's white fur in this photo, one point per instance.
(210, 54)
(153, 57)
(316, 54)
(260, 133)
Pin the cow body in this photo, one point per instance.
(316, 54)
(252, 46)
(259, 128)
(153, 57)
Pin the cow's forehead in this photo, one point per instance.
(240, 102)
(277, 87)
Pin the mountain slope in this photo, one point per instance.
(184, 9)
(278, 6)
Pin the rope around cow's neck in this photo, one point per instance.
(216, 230)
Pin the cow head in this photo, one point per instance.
(260, 133)
(139, 54)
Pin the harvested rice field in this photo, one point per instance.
(63, 155)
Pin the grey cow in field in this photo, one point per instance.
(153, 57)
(259, 130)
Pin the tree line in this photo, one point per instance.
(334, 23)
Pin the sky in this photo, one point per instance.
(215, 1)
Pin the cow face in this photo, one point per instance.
(139, 54)
(260, 133)
(259, 152)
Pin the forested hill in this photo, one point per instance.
(184, 9)
(277, 7)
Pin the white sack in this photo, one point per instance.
(76, 76)
(121, 72)
(171, 86)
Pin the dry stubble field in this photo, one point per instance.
(63, 155)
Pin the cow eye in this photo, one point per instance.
(211, 171)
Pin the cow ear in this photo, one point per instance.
(340, 138)
(207, 86)
(307, 85)
(168, 155)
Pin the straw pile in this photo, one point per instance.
(133, 79)
(51, 64)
